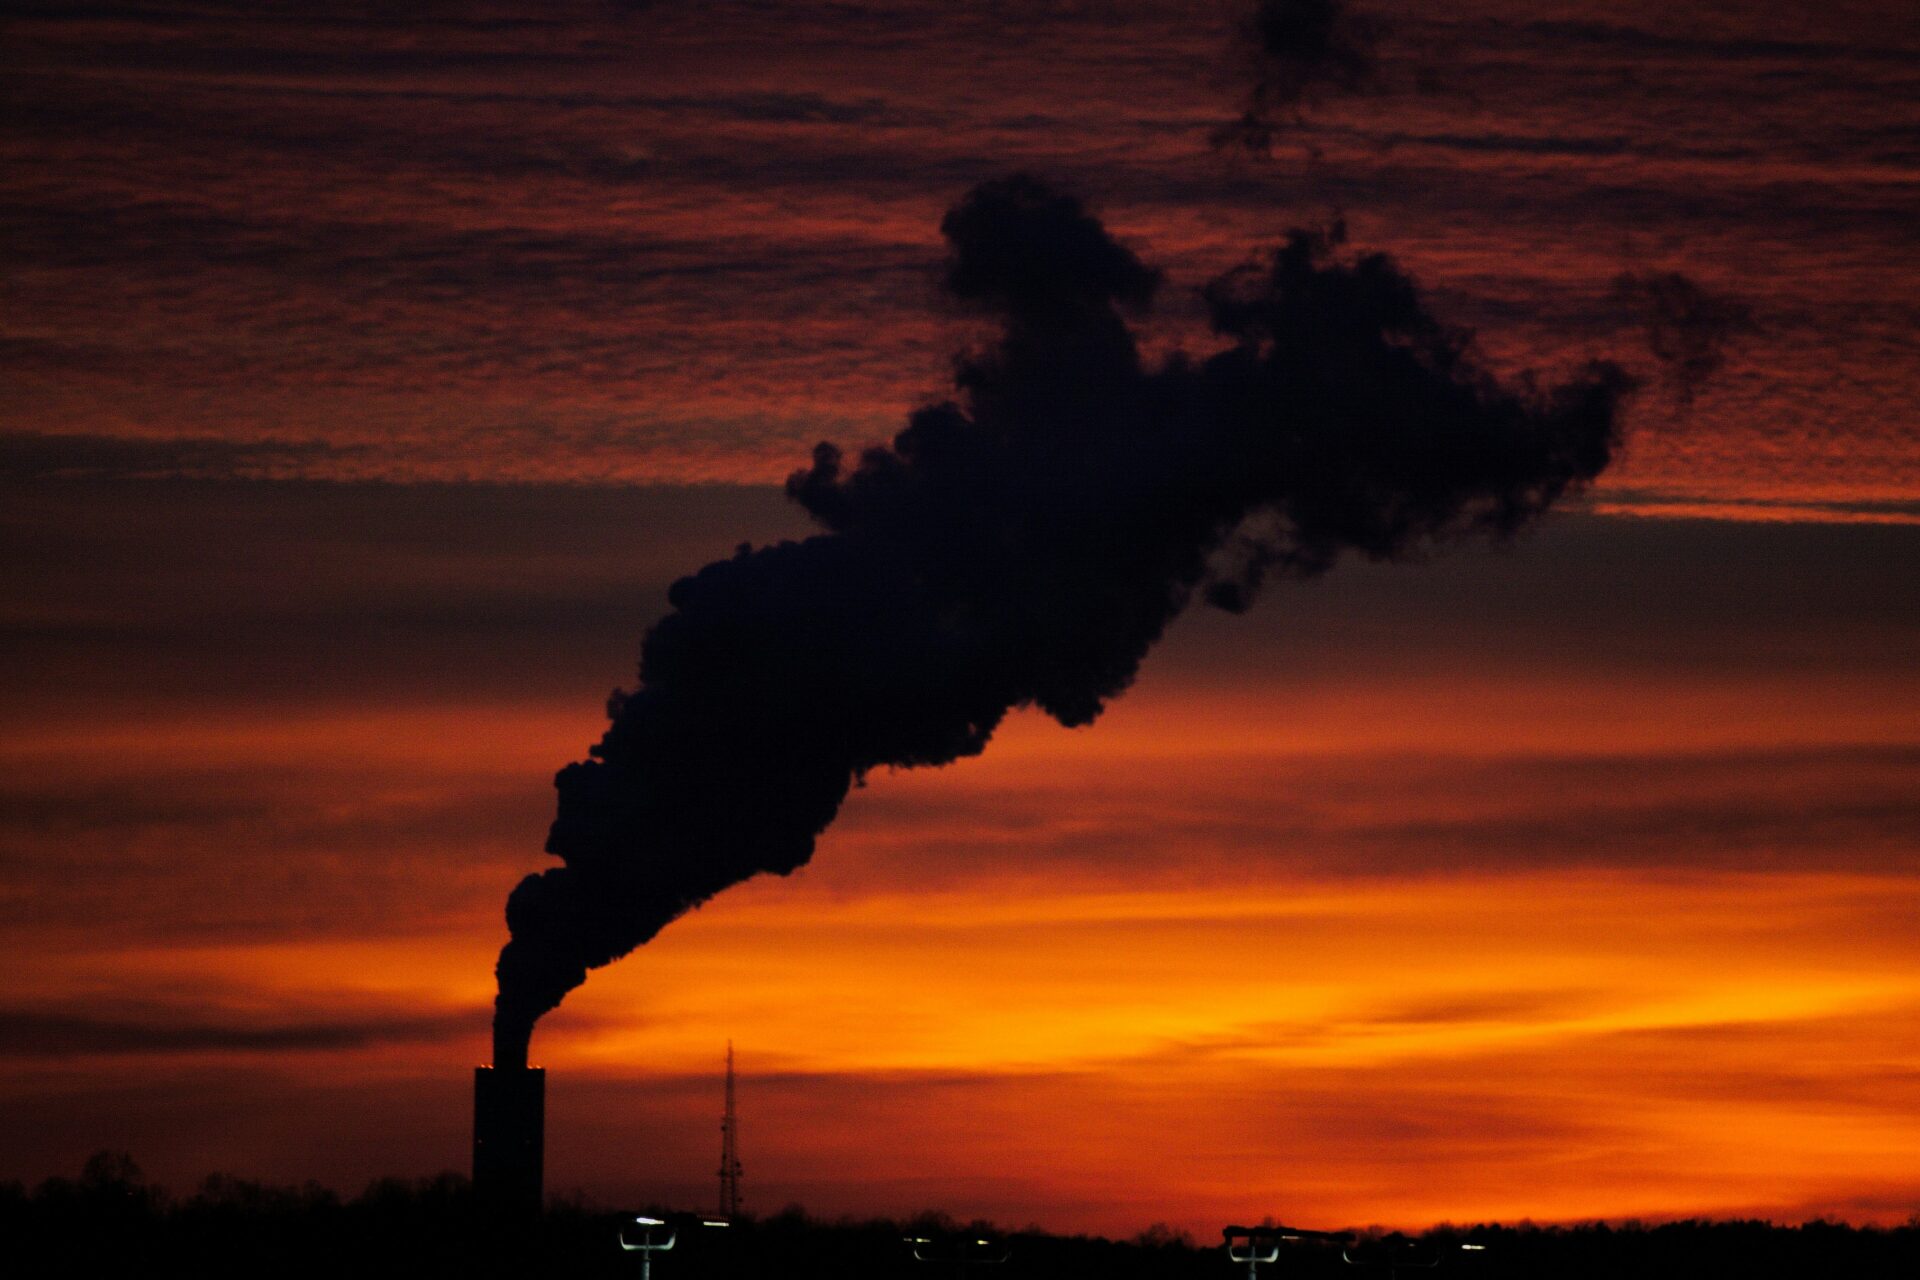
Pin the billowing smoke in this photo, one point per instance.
(1025, 544)
(1295, 51)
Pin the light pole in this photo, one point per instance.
(1397, 1253)
(961, 1252)
(1258, 1246)
(1254, 1251)
(648, 1246)
(674, 1222)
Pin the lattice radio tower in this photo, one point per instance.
(729, 1152)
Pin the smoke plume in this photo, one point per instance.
(1025, 544)
(1295, 50)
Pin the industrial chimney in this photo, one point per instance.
(509, 1137)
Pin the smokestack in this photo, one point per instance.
(509, 1137)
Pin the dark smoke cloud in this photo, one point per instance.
(1026, 544)
(1687, 328)
(1297, 50)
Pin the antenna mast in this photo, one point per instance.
(729, 1153)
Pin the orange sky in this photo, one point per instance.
(367, 386)
(1137, 1005)
(1315, 921)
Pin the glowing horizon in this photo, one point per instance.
(370, 382)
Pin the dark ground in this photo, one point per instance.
(109, 1221)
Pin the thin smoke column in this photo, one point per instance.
(1296, 51)
(1025, 544)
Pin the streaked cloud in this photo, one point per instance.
(50, 1033)
(675, 243)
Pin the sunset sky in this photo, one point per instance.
(368, 379)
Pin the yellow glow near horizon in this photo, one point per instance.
(1229, 950)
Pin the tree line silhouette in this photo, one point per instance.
(111, 1220)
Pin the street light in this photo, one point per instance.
(674, 1224)
(1396, 1253)
(961, 1252)
(1258, 1246)
(1254, 1251)
(648, 1246)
